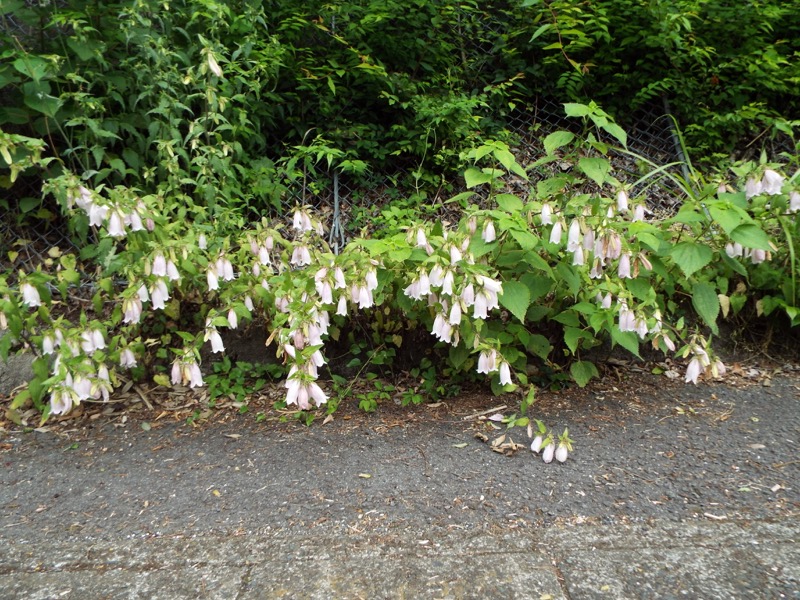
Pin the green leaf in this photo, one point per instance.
(557, 139)
(618, 132)
(475, 177)
(516, 298)
(574, 109)
(627, 339)
(582, 372)
(458, 354)
(509, 203)
(538, 286)
(539, 346)
(573, 337)
(32, 66)
(691, 257)
(525, 239)
(751, 235)
(542, 28)
(725, 216)
(706, 303)
(596, 169)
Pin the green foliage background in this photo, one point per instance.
(123, 89)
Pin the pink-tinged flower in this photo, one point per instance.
(134, 221)
(202, 242)
(150, 225)
(597, 269)
(488, 234)
(627, 320)
(3, 321)
(577, 257)
(455, 314)
(668, 342)
(794, 201)
(132, 308)
(752, 188)
(30, 295)
(371, 280)
(263, 255)
(215, 338)
(549, 451)
(468, 295)
(61, 401)
(421, 238)
(177, 372)
(302, 221)
(644, 261)
(555, 233)
(624, 268)
(82, 387)
(536, 444)
(233, 319)
(455, 254)
(116, 226)
(588, 240)
(160, 266)
(211, 278)
(316, 393)
(496, 417)
(301, 256)
(472, 225)
(341, 307)
(640, 327)
(638, 213)
(338, 279)
(447, 283)
(195, 376)
(48, 344)
(248, 303)
(771, 183)
(97, 215)
(487, 361)
(574, 236)
(734, 249)
(722, 188)
(480, 307)
(436, 276)
(561, 453)
(693, 370)
(606, 301)
(159, 294)
(172, 271)
(547, 214)
(142, 293)
(758, 256)
(364, 297)
(622, 201)
(718, 369)
(505, 373)
(613, 245)
(225, 269)
(127, 359)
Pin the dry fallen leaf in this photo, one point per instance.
(233, 436)
(364, 475)
(462, 445)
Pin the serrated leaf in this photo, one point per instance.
(574, 109)
(691, 257)
(751, 235)
(706, 303)
(582, 372)
(596, 169)
(617, 132)
(627, 339)
(516, 298)
(557, 139)
(475, 177)
(509, 203)
(525, 239)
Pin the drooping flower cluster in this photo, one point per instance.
(113, 215)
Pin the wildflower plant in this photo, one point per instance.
(521, 277)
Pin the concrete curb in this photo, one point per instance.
(663, 560)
